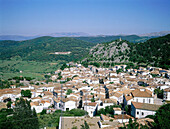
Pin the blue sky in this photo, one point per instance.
(32, 17)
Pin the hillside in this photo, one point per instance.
(116, 52)
(155, 52)
(103, 39)
(39, 49)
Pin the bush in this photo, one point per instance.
(43, 112)
(77, 112)
(111, 120)
(69, 91)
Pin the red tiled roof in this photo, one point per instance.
(146, 106)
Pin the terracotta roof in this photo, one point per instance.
(122, 116)
(117, 109)
(109, 100)
(167, 89)
(146, 106)
(91, 104)
(139, 93)
(155, 72)
(117, 94)
(34, 103)
(47, 93)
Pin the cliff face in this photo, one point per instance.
(116, 51)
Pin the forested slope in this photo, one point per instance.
(39, 49)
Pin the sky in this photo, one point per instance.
(95, 17)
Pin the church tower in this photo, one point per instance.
(120, 39)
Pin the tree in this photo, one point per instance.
(43, 112)
(80, 104)
(74, 127)
(59, 77)
(93, 99)
(5, 118)
(85, 126)
(162, 117)
(26, 93)
(159, 93)
(77, 112)
(9, 104)
(47, 76)
(68, 79)
(108, 110)
(48, 80)
(69, 91)
(128, 109)
(63, 66)
(23, 116)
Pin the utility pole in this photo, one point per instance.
(62, 107)
(123, 110)
(123, 115)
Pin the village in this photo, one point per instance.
(131, 92)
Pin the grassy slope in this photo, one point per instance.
(11, 68)
(33, 58)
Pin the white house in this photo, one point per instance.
(70, 104)
(138, 95)
(117, 96)
(167, 94)
(106, 102)
(114, 79)
(117, 111)
(40, 105)
(91, 108)
(163, 87)
(65, 105)
(141, 110)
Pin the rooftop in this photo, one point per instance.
(146, 106)
(70, 122)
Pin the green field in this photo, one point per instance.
(12, 68)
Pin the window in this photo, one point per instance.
(143, 100)
(149, 100)
(142, 113)
(136, 100)
(138, 113)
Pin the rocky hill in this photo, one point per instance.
(116, 51)
(155, 52)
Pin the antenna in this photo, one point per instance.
(86, 103)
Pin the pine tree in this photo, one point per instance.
(24, 117)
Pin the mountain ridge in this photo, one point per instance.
(82, 34)
(39, 49)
